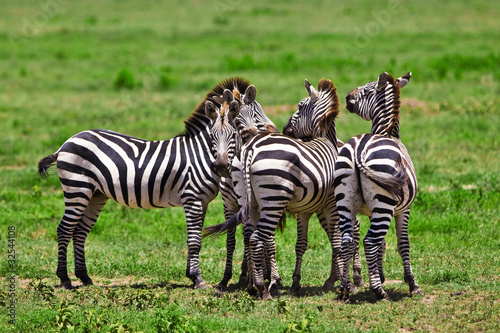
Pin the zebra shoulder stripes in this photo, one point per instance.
(97, 165)
(374, 175)
(282, 173)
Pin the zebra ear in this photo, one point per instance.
(403, 80)
(227, 96)
(382, 81)
(210, 110)
(234, 110)
(250, 94)
(313, 94)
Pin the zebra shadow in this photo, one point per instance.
(366, 296)
(134, 285)
(362, 297)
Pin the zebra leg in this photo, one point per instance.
(380, 222)
(75, 205)
(380, 263)
(404, 250)
(300, 248)
(347, 251)
(195, 214)
(258, 242)
(247, 233)
(228, 271)
(272, 267)
(243, 279)
(230, 208)
(81, 232)
(329, 220)
(356, 265)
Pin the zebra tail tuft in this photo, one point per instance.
(45, 163)
(282, 223)
(221, 228)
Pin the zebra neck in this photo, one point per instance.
(385, 114)
(386, 122)
(331, 135)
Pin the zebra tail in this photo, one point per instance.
(282, 223)
(221, 228)
(393, 184)
(45, 163)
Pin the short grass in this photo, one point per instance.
(141, 67)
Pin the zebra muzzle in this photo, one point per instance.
(222, 166)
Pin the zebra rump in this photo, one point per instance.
(391, 178)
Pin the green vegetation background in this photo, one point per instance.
(141, 67)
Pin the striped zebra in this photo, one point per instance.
(250, 121)
(284, 174)
(97, 165)
(374, 175)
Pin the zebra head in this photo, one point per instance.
(252, 119)
(314, 113)
(378, 101)
(223, 131)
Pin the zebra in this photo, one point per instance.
(282, 173)
(250, 121)
(97, 165)
(374, 175)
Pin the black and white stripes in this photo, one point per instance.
(374, 175)
(97, 165)
(284, 174)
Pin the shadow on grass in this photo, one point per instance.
(361, 297)
(136, 285)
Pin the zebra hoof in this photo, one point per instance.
(67, 285)
(380, 294)
(265, 295)
(200, 284)
(242, 281)
(344, 296)
(417, 291)
(352, 288)
(252, 291)
(220, 288)
(274, 290)
(328, 286)
(295, 287)
(358, 280)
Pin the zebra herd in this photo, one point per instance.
(229, 144)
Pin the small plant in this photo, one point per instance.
(305, 325)
(41, 289)
(172, 319)
(63, 319)
(144, 299)
(281, 307)
(124, 80)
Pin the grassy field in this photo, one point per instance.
(140, 68)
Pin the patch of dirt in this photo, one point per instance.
(279, 109)
(444, 188)
(101, 282)
(413, 103)
(429, 299)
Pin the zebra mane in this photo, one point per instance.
(237, 85)
(326, 86)
(393, 128)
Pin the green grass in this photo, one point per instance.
(141, 67)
